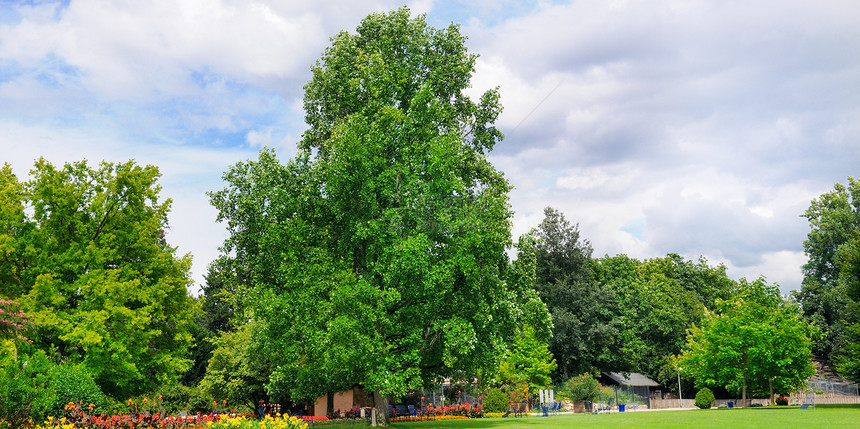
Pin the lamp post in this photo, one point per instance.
(680, 399)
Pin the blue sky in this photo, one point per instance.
(695, 127)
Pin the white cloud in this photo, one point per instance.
(694, 127)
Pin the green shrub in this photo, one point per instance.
(72, 383)
(24, 390)
(704, 398)
(496, 401)
(581, 388)
(191, 399)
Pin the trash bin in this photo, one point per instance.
(731, 404)
(620, 408)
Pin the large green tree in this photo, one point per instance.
(585, 312)
(656, 308)
(377, 256)
(91, 263)
(831, 285)
(756, 341)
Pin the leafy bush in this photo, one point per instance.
(704, 398)
(72, 383)
(191, 399)
(781, 400)
(24, 391)
(581, 388)
(496, 401)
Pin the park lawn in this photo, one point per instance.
(766, 417)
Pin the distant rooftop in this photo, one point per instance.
(633, 379)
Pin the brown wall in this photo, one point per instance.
(344, 401)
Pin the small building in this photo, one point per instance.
(343, 401)
(633, 387)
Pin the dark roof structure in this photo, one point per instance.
(633, 379)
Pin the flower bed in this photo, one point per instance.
(80, 417)
(427, 418)
(465, 410)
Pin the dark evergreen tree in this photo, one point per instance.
(586, 326)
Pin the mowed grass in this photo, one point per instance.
(822, 416)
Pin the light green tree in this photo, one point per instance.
(755, 340)
(529, 363)
(237, 372)
(91, 264)
(377, 256)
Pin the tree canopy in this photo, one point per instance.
(90, 262)
(755, 341)
(529, 364)
(377, 256)
(830, 291)
(659, 299)
(585, 312)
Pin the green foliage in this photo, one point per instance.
(529, 363)
(755, 341)
(25, 393)
(496, 401)
(659, 300)
(191, 399)
(847, 362)
(90, 262)
(16, 328)
(830, 291)
(72, 383)
(704, 398)
(236, 373)
(585, 313)
(581, 388)
(377, 256)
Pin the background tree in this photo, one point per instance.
(756, 341)
(659, 300)
(13, 226)
(213, 316)
(377, 255)
(91, 264)
(529, 364)
(585, 312)
(237, 373)
(831, 289)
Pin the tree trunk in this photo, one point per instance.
(744, 392)
(770, 386)
(380, 402)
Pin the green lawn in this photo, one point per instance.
(822, 416)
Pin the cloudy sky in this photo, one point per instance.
(694, 127)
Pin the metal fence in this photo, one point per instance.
(832, 388)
